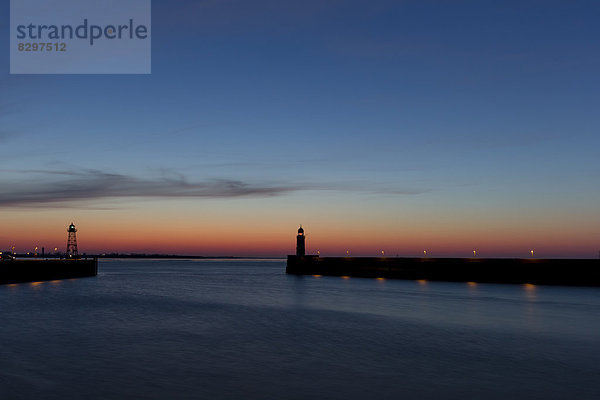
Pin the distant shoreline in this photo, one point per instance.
(145, 256)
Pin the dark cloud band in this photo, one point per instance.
(68, 188)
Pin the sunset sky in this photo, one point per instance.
(401, 126)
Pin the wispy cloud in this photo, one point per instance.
(71, 188)
(55, 188)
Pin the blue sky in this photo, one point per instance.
(439, 105)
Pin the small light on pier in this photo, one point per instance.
(382, 253)
(425, 252)
(531, 253)
(474, 253)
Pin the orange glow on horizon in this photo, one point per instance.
(237, 233)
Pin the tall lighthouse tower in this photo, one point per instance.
(300, 245)
(72, 242)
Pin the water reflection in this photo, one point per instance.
(530, 291)
(154, 328)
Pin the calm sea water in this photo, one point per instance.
(242, 329)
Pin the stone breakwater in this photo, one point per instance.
(571, 272)
(16, 271)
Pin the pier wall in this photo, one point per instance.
(574, 272)
(16, 271)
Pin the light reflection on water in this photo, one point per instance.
(232, 329)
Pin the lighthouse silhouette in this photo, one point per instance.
(72, 242)
(300, 245)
